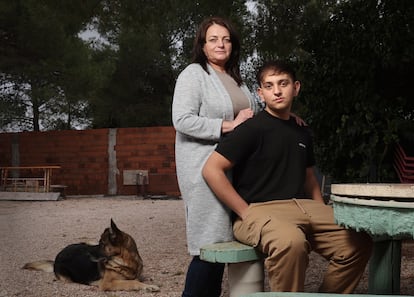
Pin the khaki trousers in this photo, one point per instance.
(288, 230)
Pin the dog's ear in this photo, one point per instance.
(113, 231)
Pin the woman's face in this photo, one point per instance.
(218, 46)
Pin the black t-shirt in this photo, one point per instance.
(270, 156)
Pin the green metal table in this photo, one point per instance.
(386, 212)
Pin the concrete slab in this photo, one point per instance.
(29, 196)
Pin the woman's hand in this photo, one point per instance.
(242, 116)
(298, 120)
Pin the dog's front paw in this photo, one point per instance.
(152, 288)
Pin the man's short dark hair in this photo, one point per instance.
(275, 66)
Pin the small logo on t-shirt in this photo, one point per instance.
(302, 145)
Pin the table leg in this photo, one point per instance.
(47, 179)
(4, 179)
(385, 267)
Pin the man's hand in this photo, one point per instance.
(214, 172)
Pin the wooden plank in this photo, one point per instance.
(24, 178)
(31, 167)
(30, 196)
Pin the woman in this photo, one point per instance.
(210, 100)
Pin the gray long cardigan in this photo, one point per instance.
(200, 104)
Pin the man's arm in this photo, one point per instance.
(214, 172)
(312, 185)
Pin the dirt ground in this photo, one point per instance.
(34, 230)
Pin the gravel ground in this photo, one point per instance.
(34, 230)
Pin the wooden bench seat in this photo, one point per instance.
(58, 188)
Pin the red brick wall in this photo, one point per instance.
(83, 156)
(149, 149)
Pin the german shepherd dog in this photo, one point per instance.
(114, 264)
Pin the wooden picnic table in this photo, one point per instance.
(386, 212)
(16, 178)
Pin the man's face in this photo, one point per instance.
(277, 90)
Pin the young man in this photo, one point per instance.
(276, 196)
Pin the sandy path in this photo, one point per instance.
(38, 230)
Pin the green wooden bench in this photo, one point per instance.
(290, 294)
(245, 265)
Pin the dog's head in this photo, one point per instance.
(121, 252)
(114, 242)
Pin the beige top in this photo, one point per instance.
(238, 97)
